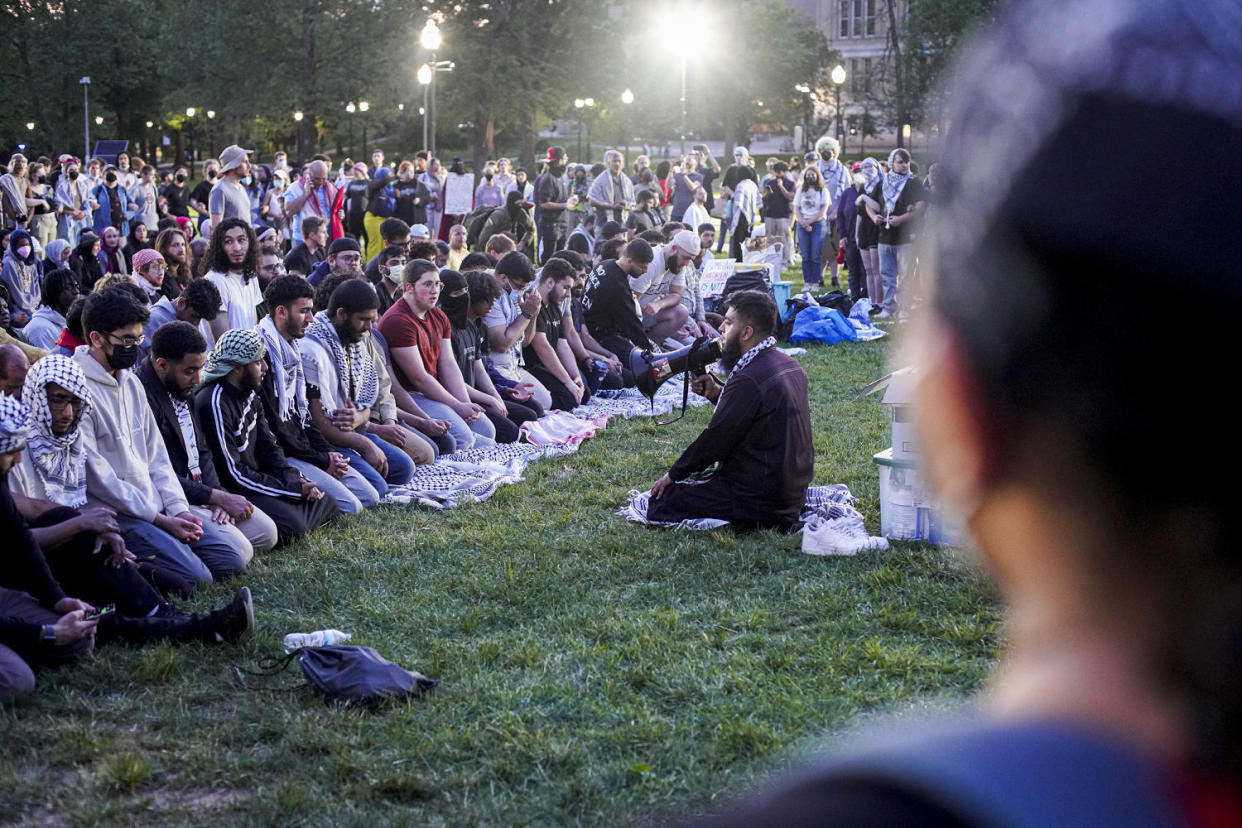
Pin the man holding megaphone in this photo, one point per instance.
(759, 437)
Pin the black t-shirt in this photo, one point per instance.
(356, 200)
(911, 194)
(202, 191)
(709, 176)
(465, 350)
(609, 305)
(549, 323)
(406, 209)
(775, 205)
(178, 197)
(301, 260)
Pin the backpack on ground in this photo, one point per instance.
(346, 675)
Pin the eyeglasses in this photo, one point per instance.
(57, 401)
(128, 341)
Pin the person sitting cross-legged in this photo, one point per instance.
(548, 355)
(169, 375)
(247, 456)
(127, 465)
(418, 335)
(290, 302)
(343, 382)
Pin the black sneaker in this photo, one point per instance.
(235, 623)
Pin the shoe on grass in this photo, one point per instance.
(235, 622)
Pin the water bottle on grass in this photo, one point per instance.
(318, 638)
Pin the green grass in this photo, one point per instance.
(593, 671)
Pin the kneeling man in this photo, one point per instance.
(760, 433)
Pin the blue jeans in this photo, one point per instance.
(894, 263)
(149, 542)
(400, 466)
(368, 472)
(352, 493)
(811, 243)
(478, 434)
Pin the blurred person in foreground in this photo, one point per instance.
(1119, 698)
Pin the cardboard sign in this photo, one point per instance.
(459, 194)
(715, 274)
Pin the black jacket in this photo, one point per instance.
(197, 490)
(247, 457)
(22, 568)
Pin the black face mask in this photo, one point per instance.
(180, 178)
(455, 308)
(826, 155)
(211, 173)
(122, 357)
(110, 178)
(73, 175)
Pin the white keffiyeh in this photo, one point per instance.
(894, 183)
(750, 355)
(14, 424)
(61, 460)
(355, 371)
(287, 372)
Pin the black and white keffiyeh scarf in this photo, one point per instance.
(750, 355)
(14, 424)
(894, 183)
(355, 371)
(286, 372)
(60, 460)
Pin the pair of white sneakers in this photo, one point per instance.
(844, 535)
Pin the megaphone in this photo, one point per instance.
(651, 370)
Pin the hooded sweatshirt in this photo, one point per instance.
(23, 276)
(127, 465)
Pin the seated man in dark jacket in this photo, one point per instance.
(247, 457)
(170, 373)
(760, 433)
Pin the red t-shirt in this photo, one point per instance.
(402, 329)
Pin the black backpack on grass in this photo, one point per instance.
(347, 676)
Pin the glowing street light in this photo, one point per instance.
(627, 97)
(98, 120)
(363, 106)
(150, 124)
(838, 80)
(190, 112)
(350, 108)
(211, 113)
(30, 125)
(298, 116)
(430, 37)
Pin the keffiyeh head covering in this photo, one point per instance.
(236, 348)
(59, 459)
(355, 372)
(14, 423)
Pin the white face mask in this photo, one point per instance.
(860, 179)
(394, 274)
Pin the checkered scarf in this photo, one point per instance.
(14, 423)
(236, 348)
(287, 372)
(355, 372)
(60, 460)
(894, 183)
(750, 355)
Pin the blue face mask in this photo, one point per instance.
(247, 180)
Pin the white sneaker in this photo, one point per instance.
(838, 536)
(883, 315)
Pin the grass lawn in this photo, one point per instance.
(594, 671)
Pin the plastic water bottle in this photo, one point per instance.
(318, 638)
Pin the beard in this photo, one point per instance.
(731, 352)
(180, 394)
(347, 335)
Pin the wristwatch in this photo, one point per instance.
(49, 634)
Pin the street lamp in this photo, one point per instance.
(86, 116)
(431, 40)
(211, 132)
(190, 112)
(627, 98)
(30, 125)
(363, 106)
(838, 80)
(297, 130)
(582, 105)
(98, 120)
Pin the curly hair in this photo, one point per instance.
(215, 259)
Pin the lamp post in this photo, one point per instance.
(424, 77)
(582, 105)
(211, 132)
(86, 118)
(363, 106)
(297, 119)
(190, 112)
(431, 40)
(627, 98)
(351, 109)
(838, 80)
